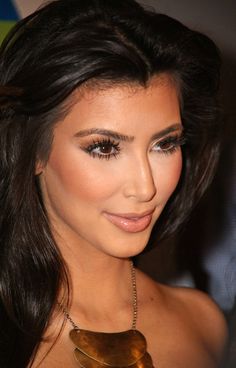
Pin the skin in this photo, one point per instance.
(80, 188)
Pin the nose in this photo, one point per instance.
(139, 182)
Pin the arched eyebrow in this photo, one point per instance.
(126, 138)
(106, 132)
(168, 130)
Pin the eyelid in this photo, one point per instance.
(177, 140)
(99, 143)
(172, 136)
(104, 141)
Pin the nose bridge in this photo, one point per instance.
(140, 181)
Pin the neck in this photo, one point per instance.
(101, 290)
(100, 279)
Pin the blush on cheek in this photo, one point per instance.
(178, 168)
(173, 175)
(78, 180)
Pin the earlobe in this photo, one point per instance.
(39, 168)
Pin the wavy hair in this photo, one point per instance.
(46, 57)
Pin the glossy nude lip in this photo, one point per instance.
(130, 222)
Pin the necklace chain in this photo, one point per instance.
(135, 298)
(135, 302)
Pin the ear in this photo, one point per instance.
(39, 167)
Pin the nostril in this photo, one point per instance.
(141, 184)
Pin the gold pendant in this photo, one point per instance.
(116, 350)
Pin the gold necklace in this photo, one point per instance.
(105, 349)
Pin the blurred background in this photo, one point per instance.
(203, 254)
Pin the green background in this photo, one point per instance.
(5, 26)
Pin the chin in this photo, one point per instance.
(130, 248)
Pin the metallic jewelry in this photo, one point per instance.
(117, 350)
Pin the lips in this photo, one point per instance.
(130, 222)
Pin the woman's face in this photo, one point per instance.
(114, 163)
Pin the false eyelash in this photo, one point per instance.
(103, 143)
(177, 141)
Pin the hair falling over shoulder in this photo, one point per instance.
(43, 60)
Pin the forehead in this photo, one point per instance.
(97, 90)
(93, 88)
(120, 105)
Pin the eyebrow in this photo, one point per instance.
(170, 129)
(106, 132)
(123, 137)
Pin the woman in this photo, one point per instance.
(109, 134)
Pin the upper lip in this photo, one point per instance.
(132, 215)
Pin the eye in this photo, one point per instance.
(168, 144)
(105, 148)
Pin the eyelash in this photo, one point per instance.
(174, 141)
(104, 143)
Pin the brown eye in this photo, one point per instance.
(164, 146)
(168, 144)
(104, 149)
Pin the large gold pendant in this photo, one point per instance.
(117, 350)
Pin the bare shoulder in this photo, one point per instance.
(196, 313)
(202, 310)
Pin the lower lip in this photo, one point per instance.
(130, 225)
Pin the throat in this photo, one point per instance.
(125, 348)
(110, 304)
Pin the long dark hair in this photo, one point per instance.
(42, 61)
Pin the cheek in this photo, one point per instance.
(82, 177)
(168, 175)
(176, 170)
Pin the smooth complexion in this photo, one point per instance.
(115, 160)
(114, 163)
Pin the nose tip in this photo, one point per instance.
(140, 183)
